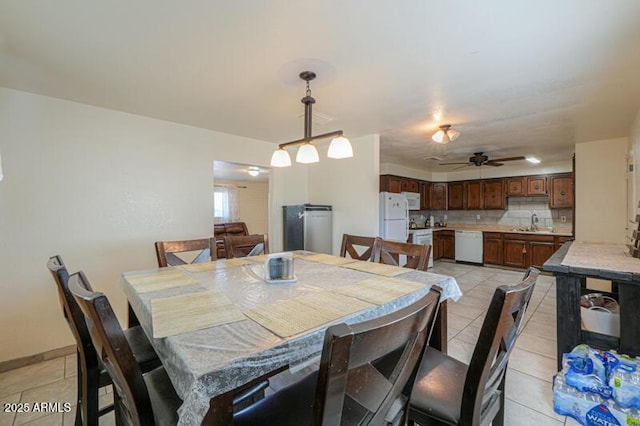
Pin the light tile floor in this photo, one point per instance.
(531, 367)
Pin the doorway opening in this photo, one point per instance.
(241, 194)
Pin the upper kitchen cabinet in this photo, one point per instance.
(516, 186)
(390, 183)
(526, 186)
(561, 191)
(438, 196)
(493, 194)
(473, 195)
(536, 185)
(455, 196)
(409, 185)
(425, 195)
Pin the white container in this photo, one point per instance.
(601, 320)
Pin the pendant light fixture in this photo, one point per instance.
(340, 146)
(445, 135)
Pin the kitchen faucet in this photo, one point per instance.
(534, 220)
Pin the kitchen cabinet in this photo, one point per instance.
(539, 252)
(560, 241)
(536, 185)
(438, 196)
(516, 186)
(472, 199)
(515, 251)
(561, 191)
(425, 196)
(390, 183)
(493, 194)
(409, 185)
(492, 248)
(524, 250)
(455, 196)
(526, 186)
(443, 245)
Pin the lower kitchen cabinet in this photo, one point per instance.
(524, 250)
(539, 252)
(443, 245)
(492, 248)
(515, 253)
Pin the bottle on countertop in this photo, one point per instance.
(412, 224)
(432, 221)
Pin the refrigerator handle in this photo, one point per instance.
(406, 229)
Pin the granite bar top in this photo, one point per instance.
(598, 260)
(562, 232)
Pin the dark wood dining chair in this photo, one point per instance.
(166, 251)
(448, 392)
(246, 245)
(365, 376)
(91, 374)
(139, 400)
(353, 244)
(388, 252)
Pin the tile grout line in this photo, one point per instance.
(533, 409)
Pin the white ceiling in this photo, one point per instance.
(514, 77)
(223, 170)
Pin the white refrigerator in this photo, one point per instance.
(394, 217)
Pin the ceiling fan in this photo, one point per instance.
(479, 159)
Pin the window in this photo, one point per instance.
(225, 204)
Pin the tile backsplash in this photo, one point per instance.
(518, 213)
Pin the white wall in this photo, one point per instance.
(98, 187)
(351, 186)
(601, 192)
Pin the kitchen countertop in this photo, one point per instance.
(561, 232)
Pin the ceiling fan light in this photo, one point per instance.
(452, 134)
(280, 158)
(307, 154)
(533, 160)
(253, 171)
(438, 137)
(340, 147)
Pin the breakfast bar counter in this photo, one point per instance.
(572, 265)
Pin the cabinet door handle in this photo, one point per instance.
(562, 193)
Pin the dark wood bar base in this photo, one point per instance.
(571, 284)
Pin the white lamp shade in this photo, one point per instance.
(438, 137)
(307, 154)
(340, 148)
(253, 172)
(280, 158)
(452, 134)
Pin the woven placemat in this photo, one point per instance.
(156, 281)
(379, 290)
(189, 312)
(293, 316)
(218, 264)
(376, 268)
(329, 259)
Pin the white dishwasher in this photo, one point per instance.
(469, 246)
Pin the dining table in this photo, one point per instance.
(219, 327)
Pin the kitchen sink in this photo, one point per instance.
(528, 229)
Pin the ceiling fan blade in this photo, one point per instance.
(448, 164)
(497, 160)
(491, 163)
(462, 167)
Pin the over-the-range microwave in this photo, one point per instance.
(413, 200)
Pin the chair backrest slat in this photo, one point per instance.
(367, 369)
(388, 252)
(498, 334)
(351, 244)
(114, 351)
(246, 245)
(165, 251)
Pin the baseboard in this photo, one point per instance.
(34, 359)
